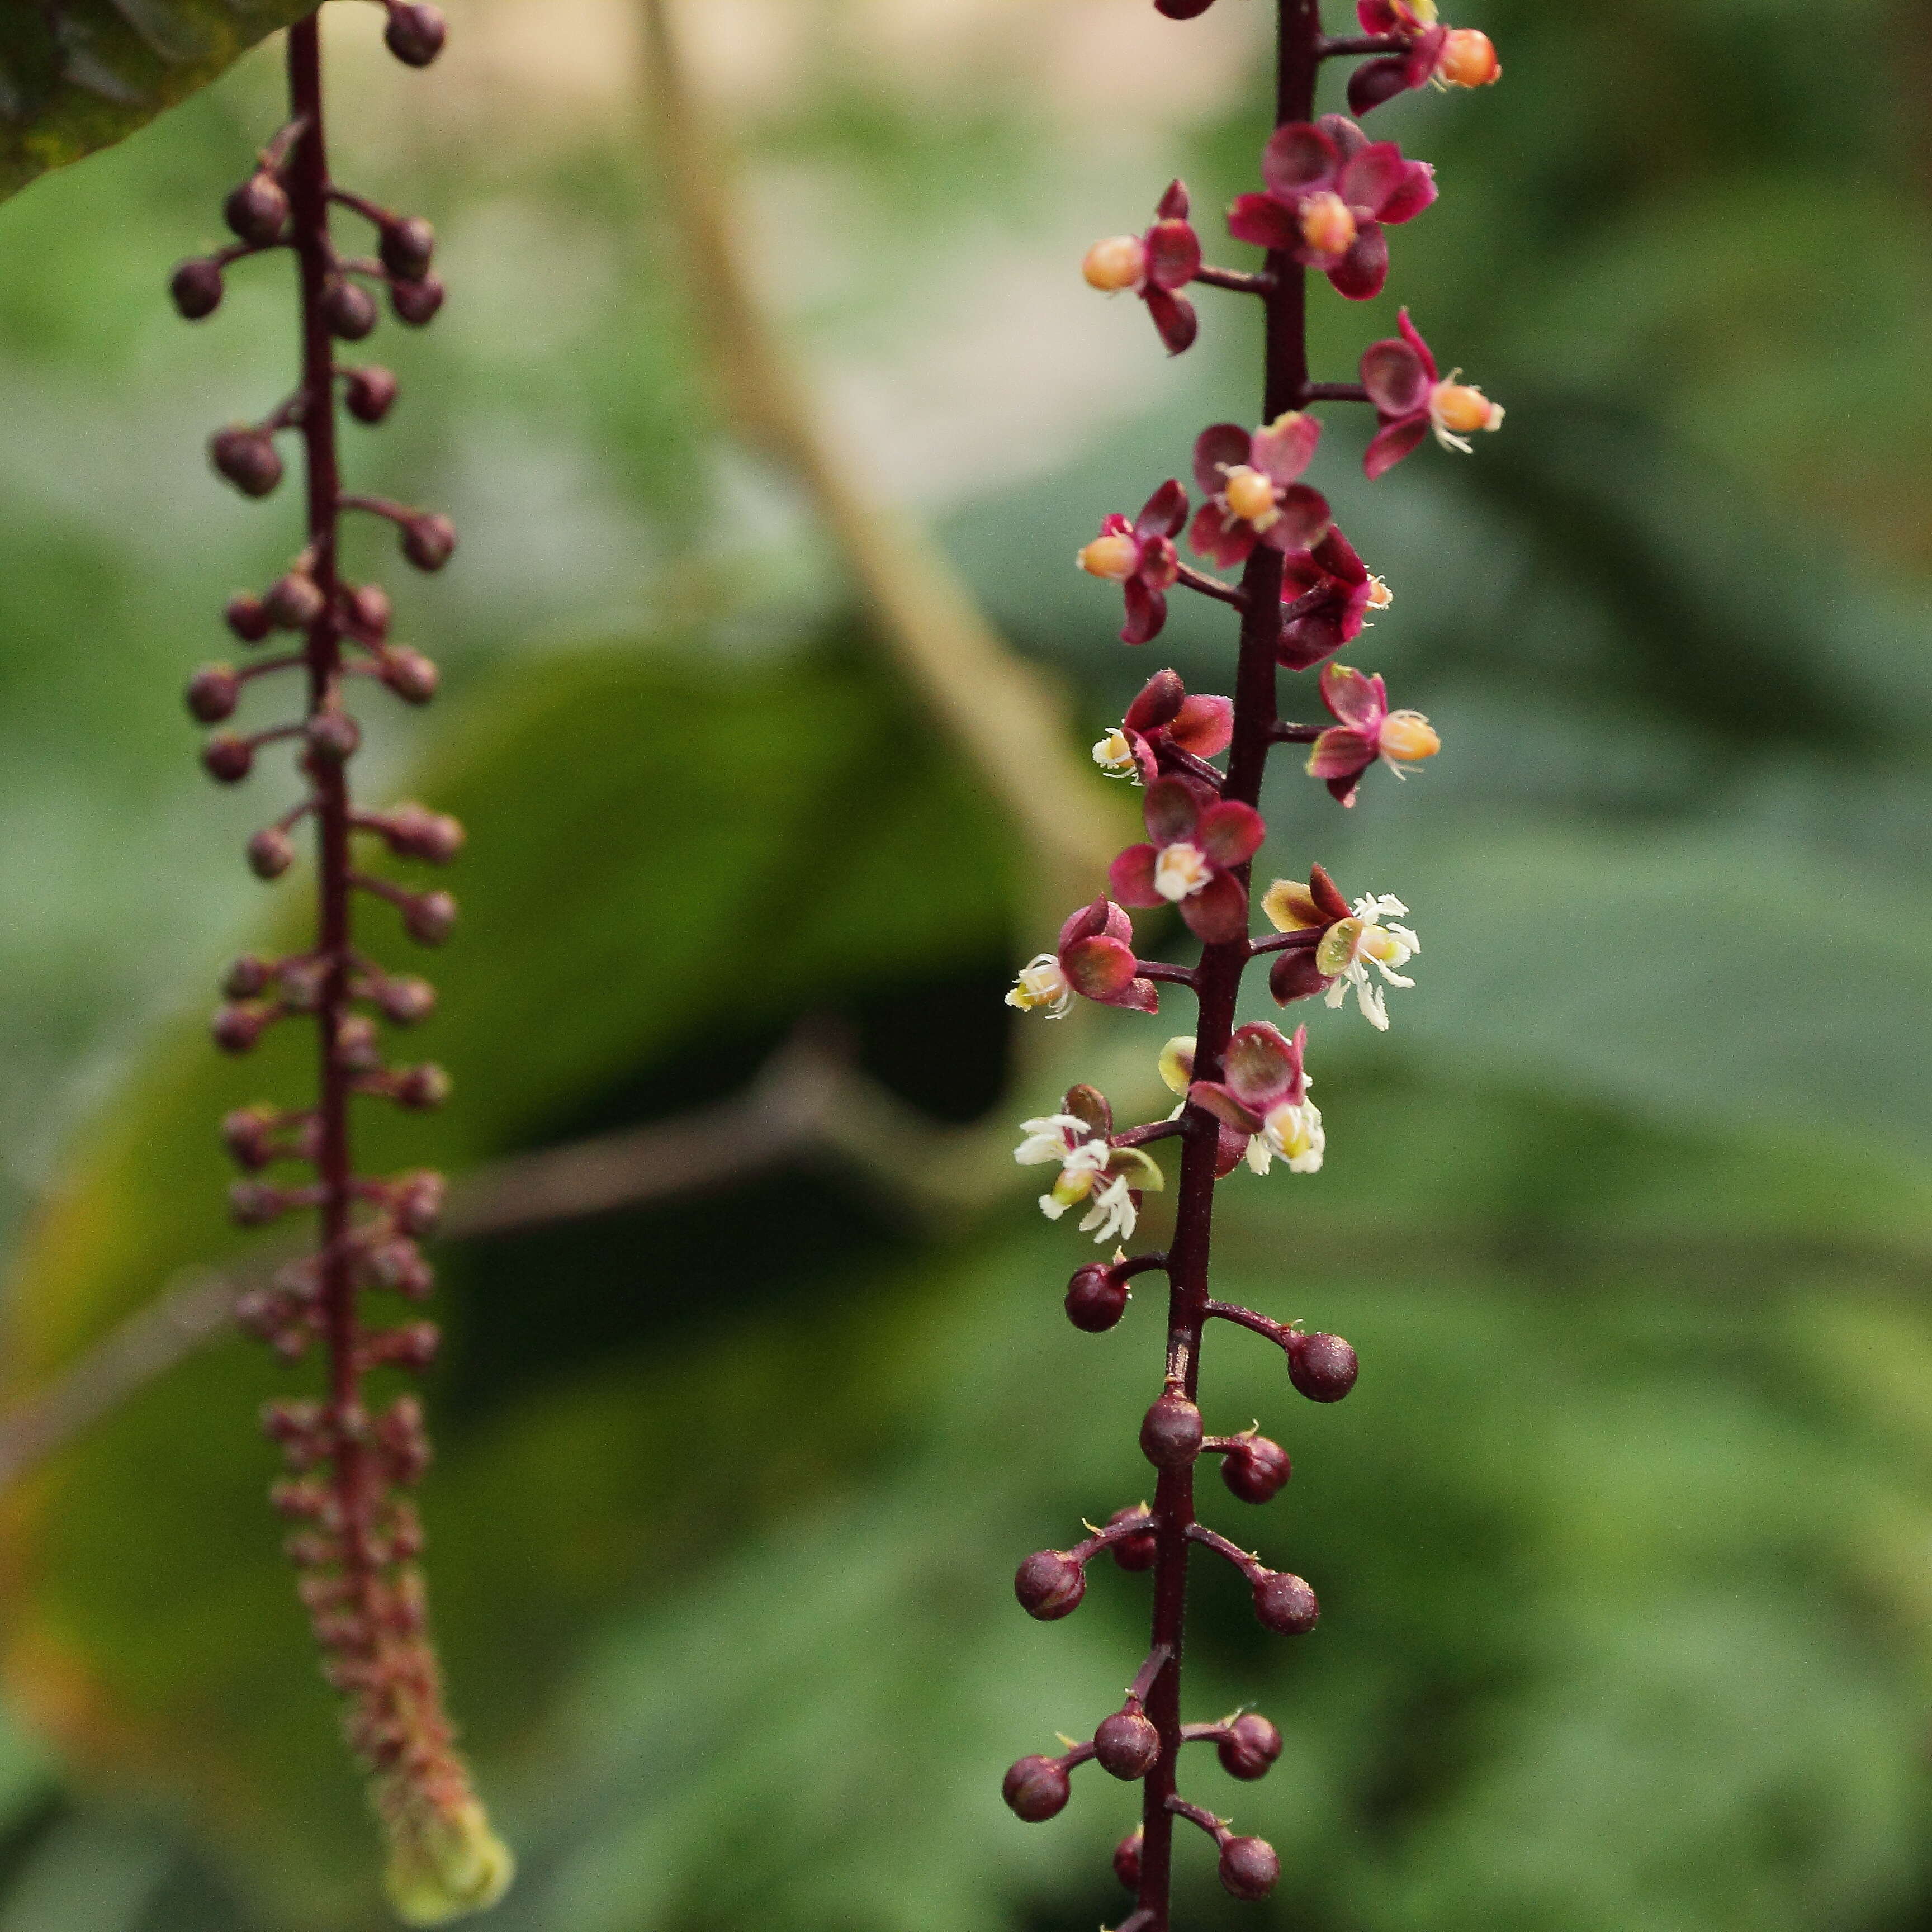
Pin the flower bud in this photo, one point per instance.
(304, 982)
(1295, 976)
(406, 1001)
(1250, 1746)
(416, 303)
(246, 977)
(257, 210)
(370, 394)
(1134, 1553)
(1116, 557)
(1127, 1859)
(1463, 408)
(1036, 1789)
(1049, 1585)
(445, 1861)
(247, 617)
(1120, 262)
(415, 34)
(415, 832)
(197, 287)
(270, 853)
(429, 542)
(1322, 1367)
(294, 602)
(399, 1265)
(1096, 1298)
(247, 457)
(1255, 1470)
(254, 1204)
(418, 1202)
(420, 1089)
(1126, 1745)
(407, 247)
(244, 1133)
(369, 612)
(409, 674)
(1327, 224)
(212, 694)
(1409, 736)
(1285, 1603)
(348, 309)
(430, 918)
(356, 1047)
(333, 736)
(1469, 59)
(227, 759)
(1249, 1867)
(1171, 1432)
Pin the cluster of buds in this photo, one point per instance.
(358, 1536)
(1329, 197)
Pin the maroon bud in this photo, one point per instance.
(244, 1133)
(1285, 1603)
(429, 542)
(406, 1001)
(421, 1088)
(228, 759)
(254, 1204)
(248, 457)
(257, 209)
(413, 1347)
(270, 853)
(213, 693)
(369, 612)
(248, 618)
(237, 1028)
(1049, 1585)
(348, 309)
(1182, 10)
(1323, 1367)
(294, 602)
(1294, 976)
(1096, 1298)
(1127, 1860)
(1255, 1469)
(416, 303)
(370, 394)
(291, 1421)
(246, 977)
(1036, 1789)
(303, 981)
(333, 736)
(407, 247)
(1252, 1745)
(1249, 1867)
(356, 1046)
(418, 1203)
(1134, 1553)
(415, 33)
(411, 676)
(415, 832)
(1127, 1744)
(429, 919)
(403, 1441)
(399, 1265)
(197, 287)
(1171, 1432)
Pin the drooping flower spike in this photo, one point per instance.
(1264, 1094)
(1155, 265)
(1110, 1180)
(1326, 594)
(1197, 840)
(1140, 556)
(1450, 57)
(1162, 716)
(1095, 959)
(1252, 483)
(1366, 729)
(1331, 191)
(1400, 376)
(1343, 942)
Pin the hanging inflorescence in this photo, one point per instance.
(1330, 196)
(356, 1536)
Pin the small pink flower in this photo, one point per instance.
(1253, 494)
(1401, 377)
(1326, 594)
(1197, 842)
(1330, 192)
(1155, 265)
(1140, 556)
(1366, 729)
(1163, 714)
(1264, 1094)
(1459, 57)
(1094, 957)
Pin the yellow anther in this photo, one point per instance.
(1115, 557)
(1409, 736)
(1119, 262)
(1328, 224)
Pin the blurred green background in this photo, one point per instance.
(1624, 1540)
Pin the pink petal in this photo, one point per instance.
(1389, 446)
(1348, 138)
(1219, 1100)
(1231, 1146)
(1160, 563)
(1304, 521)
(1219, 912)
(1372, 176)
(1084, 924)
(1163, 513)
(1227, 540)
(1115, 525)
(1147, 612)
(1377, 81)
(1098, 968)
(1175, 319)
(1130, 878)
(1327, 894)
(1218, 445)
(1361, 272)
(1338, 754)
(1354, 698)
(1119, 926)
(1230, 832)
(1262, 220)
(1174, 205)
(1158, 703)
(1286, 448)
(1261, 1066)
(1298, 158)
(1342, 790)
(1337, 556)
(1306, 640)
(1173, 254)
(1378, 17)
(1397, 379)
(1294, 976)
(1139, 996)
(1204, 726)
(1416, 191)
(1172, 809)
(1412, 336)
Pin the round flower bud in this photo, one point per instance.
(1255, 1469)
(355, 1048)
(333, 736)
(1469, 59)
(227, 759)
(429, 542)
(1327, 224)
(236, 1029)
(370, 394)
(1409, 736)
(257, 209)
(1096, 1298)
(1049, 1585)
(1036, 1789)
(1171, 1432)
(370, 611)
(415, 832)
(1127, 1744)
(294, 602)
(1117, 557)
(270, 853)
(422, 1088)
(406, 1001)
(416, 303)
(412, 1347)
(244, 1133)
(254, 1204)
(248, 458)
(415, 34)
(1252, 1745)
(1134, 1553)
(197, 287)
(348, 309)
(1249, 1867)
(246, 977)
(212, 694)
(411, 676)
(1127, 1859)
(407, 247)
(1119, 262)
(1285, 1603)
(1322, 1367)
(430, 919)
(248, 618)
